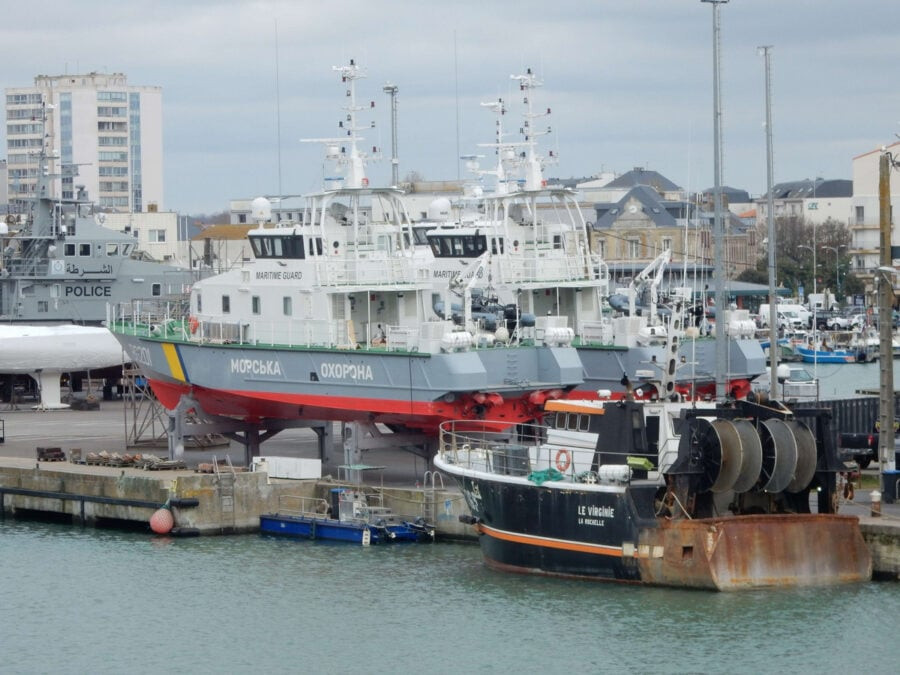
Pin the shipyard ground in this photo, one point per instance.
(228, 501)
(231, 502)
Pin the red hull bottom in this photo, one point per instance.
(499, 412)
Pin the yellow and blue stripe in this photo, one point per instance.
(173, 358)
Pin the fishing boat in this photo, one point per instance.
(350, 516)
(60, 264)
(813, 355)
(335, 319)
(661, 492)
(540, 263)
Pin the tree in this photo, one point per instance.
(794, 240)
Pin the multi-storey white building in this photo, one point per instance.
(815, 201)
(106, 134)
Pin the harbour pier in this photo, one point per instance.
(222, 499)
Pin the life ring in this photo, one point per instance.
(193, 324)
(563, 459)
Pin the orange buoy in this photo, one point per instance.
(162, 521)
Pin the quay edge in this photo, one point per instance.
(227, 502)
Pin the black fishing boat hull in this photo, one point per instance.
(606, 535)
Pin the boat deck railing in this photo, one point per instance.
(371, 269)
(370, 509)
(170, 320)
(526, 454)
(306, 507)
(553, 268)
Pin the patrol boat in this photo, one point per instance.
(661, 492)
(60, 264)
(540, 262)
(335, 319)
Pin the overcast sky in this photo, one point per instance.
(629, 82)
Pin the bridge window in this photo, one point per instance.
(156, 290)
(280, 246)
(459, 245)
(254, 304)
(84, 250)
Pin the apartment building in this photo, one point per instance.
(104, 134)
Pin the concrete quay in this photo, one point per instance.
(227, 501)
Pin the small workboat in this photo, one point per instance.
(349, 515)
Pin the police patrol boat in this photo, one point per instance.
(335, 319)
(60, 264)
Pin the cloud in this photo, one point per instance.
(629, 83)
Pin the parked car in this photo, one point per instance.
(838, 322)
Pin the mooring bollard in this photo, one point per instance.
(876, 503)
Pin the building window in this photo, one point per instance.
(667, 243)
(157, 236)
(226, 304)
(254, 304)
(634, 248)
(860, 215)
(242, 218)
(286, 305)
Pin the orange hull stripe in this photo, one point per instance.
(546, 542)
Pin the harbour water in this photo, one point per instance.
(84, 600)
(77, 600)
(842, 380)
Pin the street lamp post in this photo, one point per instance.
(815, 327)
(391, 90)
(837, 269)
(815, 286)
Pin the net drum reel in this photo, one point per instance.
(739, 455)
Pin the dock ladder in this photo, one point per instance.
(429, 494)
(226, 480)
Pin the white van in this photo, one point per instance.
(788, 317)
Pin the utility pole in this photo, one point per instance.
(718, 223)
(770, 220)
(391, 90)
(885, 278)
